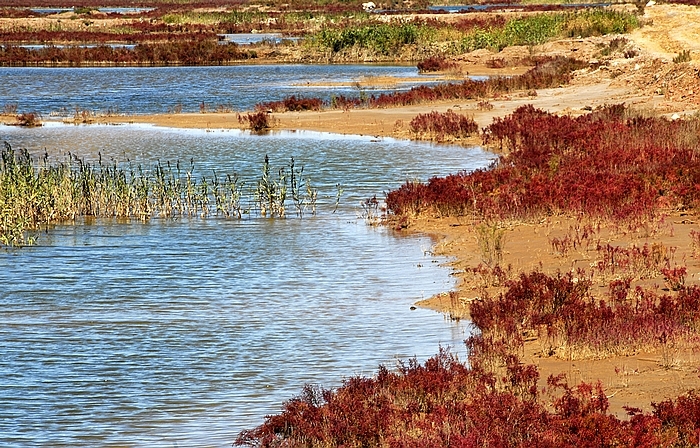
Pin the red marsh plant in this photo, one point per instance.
(576, 238)
(291, 104)
(444, 403)
(199, 52)
(572, 324)
(548, 72)
(443, 126)
(643, 262)
(496, 400)
(345, 103)
(257, 122)
(436, 64)
(605, 164)
(675, 277)
(28, 119)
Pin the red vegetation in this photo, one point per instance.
(562, 311)
(201, 52)
(257, 121)
(441, 125)
(138, 32)
(292, 104)
(481, 23)
(548, 72)
(648, 261)
(345, 103)
(435, 64)
(496, 401)
(601, 164)
(28, 119)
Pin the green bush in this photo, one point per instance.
(533, 30)
(683, 56)
(598, 22)
(541, 28)
(383, 39)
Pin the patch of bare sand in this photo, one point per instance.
(394, 122)
(652, 374)
(668, 30)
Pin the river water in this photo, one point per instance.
(185, 332)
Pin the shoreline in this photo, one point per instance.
(393, 122)
(635, 381)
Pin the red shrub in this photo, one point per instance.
(180, 52)
(601, 165)
(291, 104)
(441, 125)
(446, 403)
(257, 121)
(435, 64)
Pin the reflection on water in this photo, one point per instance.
(185, 332)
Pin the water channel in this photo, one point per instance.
(185, 332)
(160, 89)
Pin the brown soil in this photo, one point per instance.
(641, 74)
(650, 375)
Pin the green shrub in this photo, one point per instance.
(683, 56)
(598, 22)
(541, 28)
(383, 39)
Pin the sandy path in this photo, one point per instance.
(669, 29)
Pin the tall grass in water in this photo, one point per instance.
(35, 195)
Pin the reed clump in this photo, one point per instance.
(37, 195)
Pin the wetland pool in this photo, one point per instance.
(185, 332)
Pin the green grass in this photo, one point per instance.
(33, 196)
(389, 38)
(382, 39)
(541, 28)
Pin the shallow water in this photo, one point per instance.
(255, 38)
(185, 332)
(117, 10)
(146, 90)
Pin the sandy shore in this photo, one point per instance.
(394, 122)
